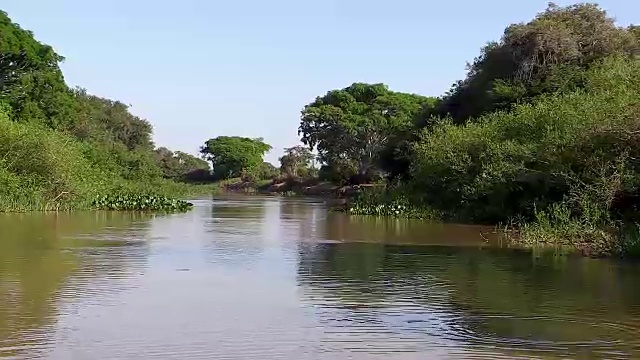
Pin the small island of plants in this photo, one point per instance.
(140, 203)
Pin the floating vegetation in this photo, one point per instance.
(397, 207)
(140, 203)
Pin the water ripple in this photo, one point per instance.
(274, 278)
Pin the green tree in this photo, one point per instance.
(178, 165)
(100, 119)
(231, 156)
(548, 54)
(31, 80)
(264, 171)
(351, 127)
(578, 148)
(116, 139)
(296, 161)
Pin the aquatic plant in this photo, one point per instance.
(140, 202)
(592, 231)
(387, 203)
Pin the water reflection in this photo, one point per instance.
(47, 257)
(242, 277)
(339, 227)
(474, 299)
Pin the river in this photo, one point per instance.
(250, 277)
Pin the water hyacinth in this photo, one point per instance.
(140, 203)
(398, 207)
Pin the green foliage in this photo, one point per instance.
(40, 166)
(140, 203)
(548, 54)
(234, 156)
(116, 140)
(351, 127)
(296, 162)
(377, 203)
(59, 148)
(635, 31)
(103, 120)
(180, 165)
(266, 171)
(507, 162)
(563, 166)
(560, 227)
(592, 231)
(31, 81)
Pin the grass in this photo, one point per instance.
(591, 232)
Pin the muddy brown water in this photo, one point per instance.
(252, 277)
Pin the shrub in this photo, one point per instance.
(44, 168)
(511, 163)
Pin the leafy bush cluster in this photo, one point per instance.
(567, 160)
(504, 163)
(56, 178)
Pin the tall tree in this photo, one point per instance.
(101, 119)
(231, 156)
(296, 161)
(178, 165)
(351, 127)
(30, 78)
(548, 54)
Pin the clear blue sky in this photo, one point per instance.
(197, 69)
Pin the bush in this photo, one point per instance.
(511, 163)
(42, 168)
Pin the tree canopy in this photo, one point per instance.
(32, 83)
(230, 156)
(179, 165)
(296, 161)
(351, 127)
(548, 54)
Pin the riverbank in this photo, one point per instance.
(306, 187)
(158, 195)
(594, 234)
(556, 229)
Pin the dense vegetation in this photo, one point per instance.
(61, 148)
(541, 135)
(235, 156)
(356, 130)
